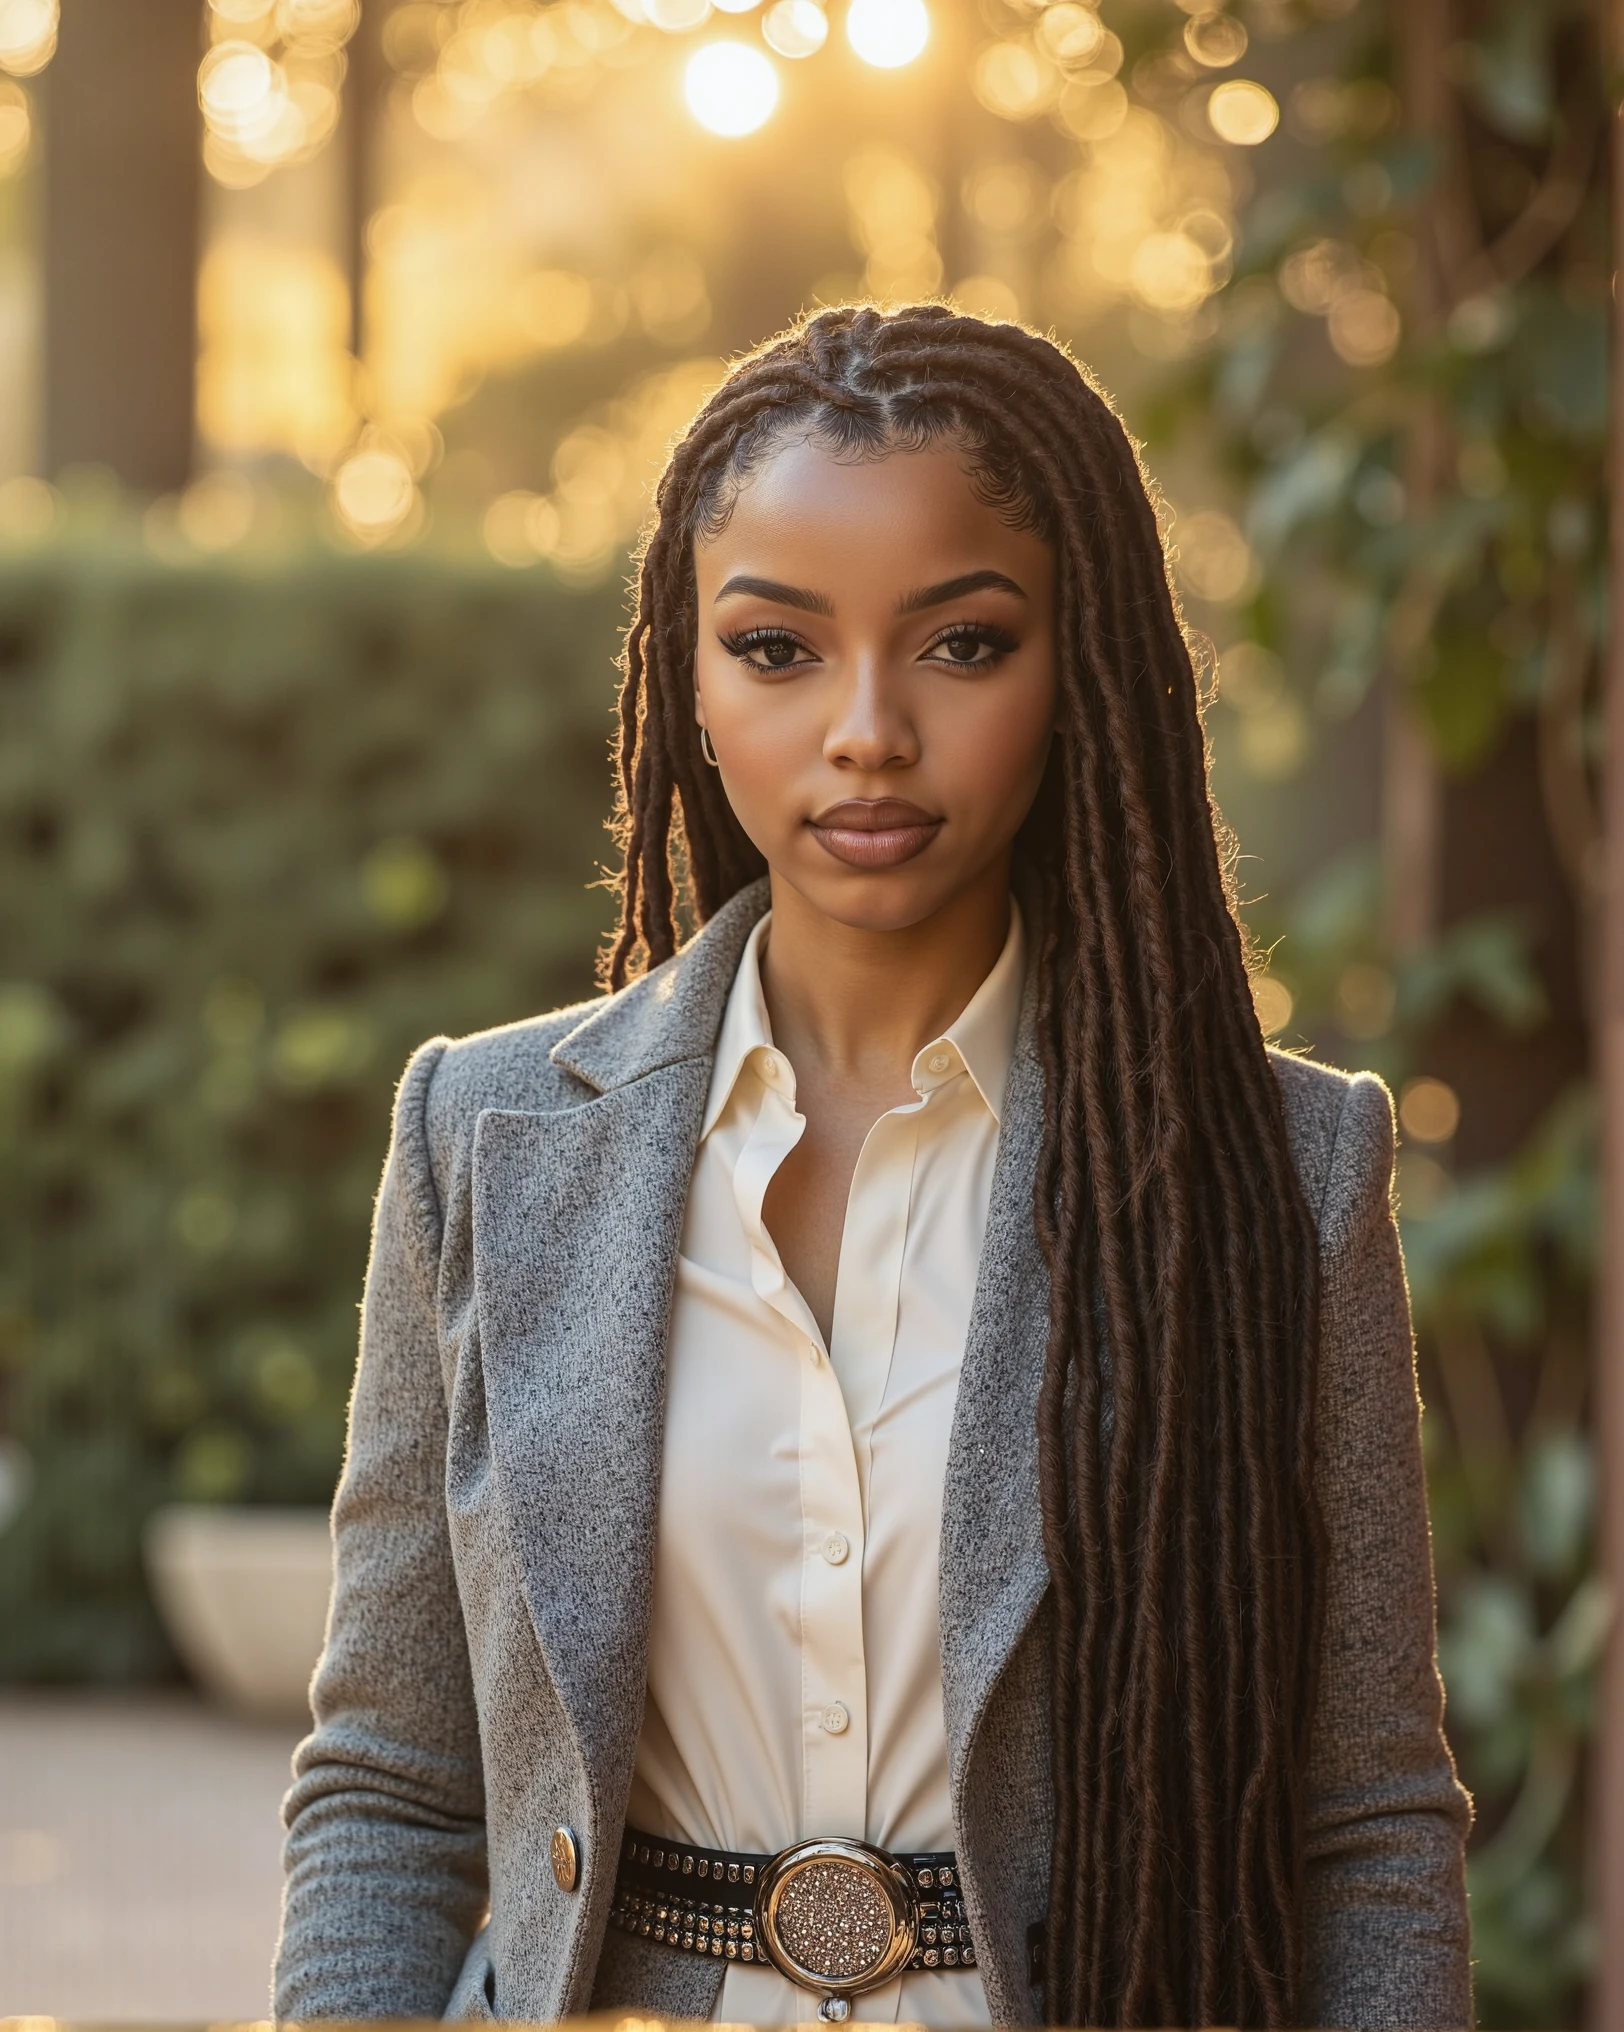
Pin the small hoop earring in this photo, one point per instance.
(707, 748)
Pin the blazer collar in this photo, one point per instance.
(673, 1012)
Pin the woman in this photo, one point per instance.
(884, 1474)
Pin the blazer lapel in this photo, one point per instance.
(577, 1222)
(993, 1569)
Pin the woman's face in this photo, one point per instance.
(875, 668)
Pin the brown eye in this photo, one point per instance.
(963, 648)
(779, 652)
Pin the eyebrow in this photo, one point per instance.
(745, 586)
(956, 589)
(808, 601)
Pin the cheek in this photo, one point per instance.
(994, 742)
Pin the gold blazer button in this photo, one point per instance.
(566, 1858)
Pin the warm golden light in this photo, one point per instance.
(1243, 112)
(1428, 1110)
(374, 493)
(1364, 328)
(1214, 559)
(273, 371)
(735, 6)
(676, 17)
(1215, 40)
(27, 35)
(16, 127)
(1071, 34)
(796, 28)
(887, 33)
(239, 86)
(1272, 1001)
(1012, 80)
(731, 88)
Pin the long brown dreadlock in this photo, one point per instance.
(1176, 1442)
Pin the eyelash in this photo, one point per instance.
(985, 633)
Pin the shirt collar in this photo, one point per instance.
(980, 1040)
(983, 1035)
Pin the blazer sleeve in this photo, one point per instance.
(385, 1874)
(1388, 1942)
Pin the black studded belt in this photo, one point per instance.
(838, 1917)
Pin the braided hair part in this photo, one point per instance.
(1176, 1413)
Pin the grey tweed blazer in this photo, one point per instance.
(483, 1676)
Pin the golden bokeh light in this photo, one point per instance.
(239, 88)
(1071, 35)
(1364, 327)
(1215, 40)
(1242, 112)
(1428, 1110)
(1214, 559)
(553, 307)
(1272, 1000)
(16, 127)
(888, 33)
(273, 371)
(988, 296)
(1170, 272)
(217, 512)
(1009, 196)
(374, 495)
(270, 83)
(1013, 80)
(603, 476)
(731, 88)
(795, 28)
(892, 206)
(28, 31)
(735, 6)
(1092, 107)
(677, 17)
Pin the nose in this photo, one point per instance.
(871, 728)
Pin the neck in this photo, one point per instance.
(856, 1004)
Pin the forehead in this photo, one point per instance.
(899, 510)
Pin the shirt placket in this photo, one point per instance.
(834, 1696)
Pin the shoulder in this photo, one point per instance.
(449, 1082)
(511, 1066)
(1340, 1129)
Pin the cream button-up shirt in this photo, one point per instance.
(794, 1676)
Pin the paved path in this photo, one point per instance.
(139, 1857)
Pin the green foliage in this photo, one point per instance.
(1425, 502)
(261, 832)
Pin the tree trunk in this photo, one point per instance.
(122, 168)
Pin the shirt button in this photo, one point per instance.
(834, 1719)
(938, 1061)
(835, 1548)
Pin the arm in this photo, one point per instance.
(385, 1852)
(1388, 1943)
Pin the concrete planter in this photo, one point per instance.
(243, 1594)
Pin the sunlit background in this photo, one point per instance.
(340, 341)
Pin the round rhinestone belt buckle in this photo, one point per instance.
(836, 1916)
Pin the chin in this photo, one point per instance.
(890, 899)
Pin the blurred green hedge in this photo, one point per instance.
(261, 831)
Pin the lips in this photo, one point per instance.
(880, 832)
